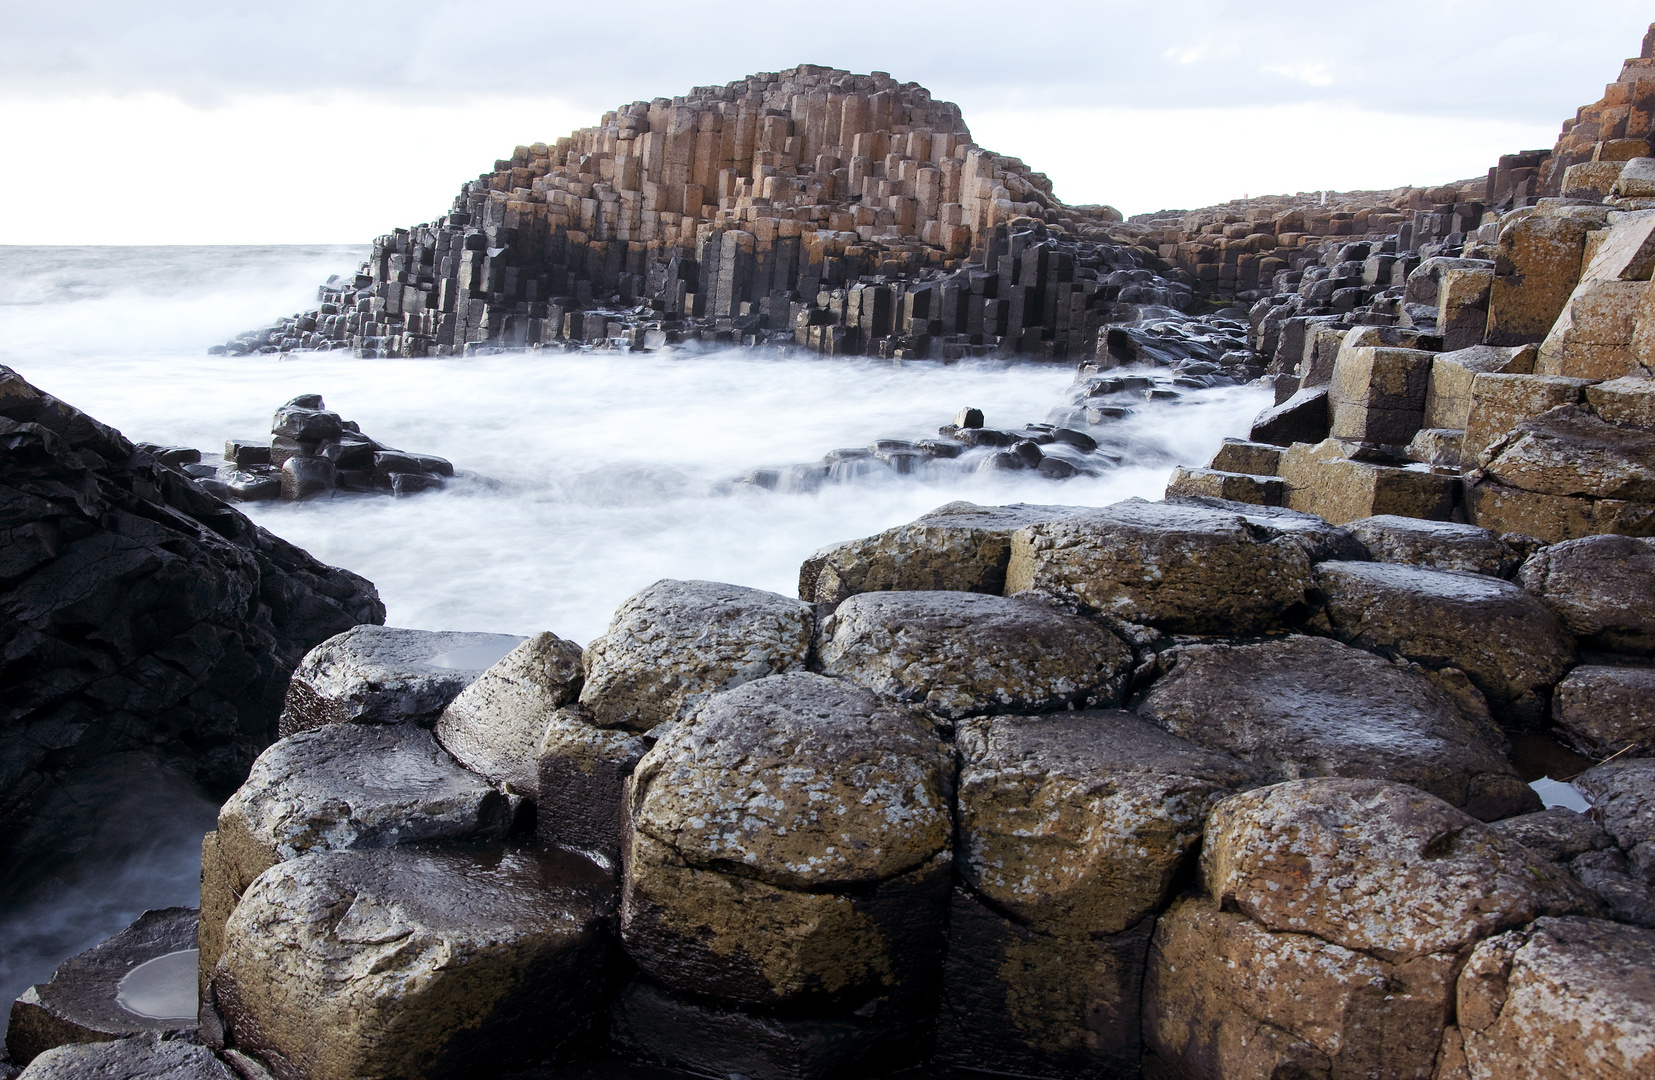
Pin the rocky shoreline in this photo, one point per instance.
(1243, 782)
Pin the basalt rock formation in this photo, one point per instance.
(144, 624)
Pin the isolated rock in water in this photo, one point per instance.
(1073, 829)
(1439, 545)
(1602, 587)
(1335, 917)
(959, 547)
(335, 788)
(495, 725)
(963, 654)
(200, 616)
(709, 1041)
(1306, 706)
(385, 675)
(583, 770)
(415, 962)
(789, 843)
(1375, 866)
(143, 1057)
(83, 1000)
(1562, 998)
(1607, 710)
(1507, 642)
(1080, 822)
(1180, 568)
(678, 640)
(1558, 834)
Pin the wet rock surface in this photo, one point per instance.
(494, 727)
(678, 640)
(409, 962)
(964, 654)
(1601, 587)
(136, 1058)
(1440, 545)
(1305, 706)
(83, 1000)
(1504, 639)
(1607, 710)
(386, 675)
(147, 625)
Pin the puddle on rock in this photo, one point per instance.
(164, 988)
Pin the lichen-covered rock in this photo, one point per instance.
(1306, 706)
(678, 640)
(1080, 822)
(335, 788)
(711, 1041)
(789, 841)
(1569, 451)
(495, 725)
(1375, 866)
(384, 675)
(1559, 1000)
(1182, 568)
(1557, 833)
(1602, 587)
(1336, 914)
(1321, 539)
(414, 962)
(1622, 792)
(965, 654)
(137, 1058)
(82, 1002)
(583, 770)
(1607, 710)
(1507, 642)
(1440, 545)
(958, 547)
(1228, 999)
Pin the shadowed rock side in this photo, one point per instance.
(145, 625)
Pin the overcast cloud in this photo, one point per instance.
(1140, 104)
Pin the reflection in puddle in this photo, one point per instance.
(163, 988)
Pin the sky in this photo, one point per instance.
(330, 121)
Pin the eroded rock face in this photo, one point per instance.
(789, 842)
(336, 788)
(677, 640)
(1509, 644)
(411, 962)
(1623, 794)
(1440, 545)
(1558, 834)
(138, 1058)
(963, 654)
(1607, 710)
(383, 675)
(1334, 918)
(1601, 587)
(495, 725)
(1375, 866)
(1180, 568)
(957, 547)
(200, 616)
(1568, 997)
(1305, 706)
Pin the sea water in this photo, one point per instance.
(583, 477)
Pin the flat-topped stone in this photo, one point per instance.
(1441, 545)
(386, 675)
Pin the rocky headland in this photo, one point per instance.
(1235, 784)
